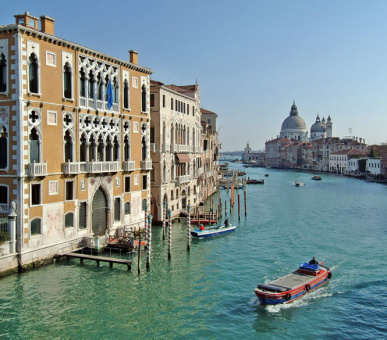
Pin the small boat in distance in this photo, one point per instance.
(267, 175)
(255, 181)
(210, 231)
(316, 178)
(298, 184)
(286, 289)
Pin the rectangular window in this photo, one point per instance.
(35, 227)
(152, 135)
(163, 100)
(144, 182)
(187, 109)
(171, 103)
(82, 215)
(117, 209)
(69, 191)
(152, 100)
(35, 194)
(127, 184)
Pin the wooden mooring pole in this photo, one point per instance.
(239, 207)
(244, 192)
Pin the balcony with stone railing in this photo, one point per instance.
(73, 168)
(128, 165)
(103, 167)
(146, 165)
(184, 179)
(181, 148)
(37, 169)
(166, 147)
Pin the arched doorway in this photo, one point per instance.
(100, 208)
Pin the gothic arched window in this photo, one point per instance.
(68, 147)
(3, 148)
(3, 73)
(91, 85)
(115, 91)
(67, 84)
(126, 95)
(126, 149)
(34, 146)
(33, 74)
(82, 84)
(143, 98)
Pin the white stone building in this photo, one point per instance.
(176, 148)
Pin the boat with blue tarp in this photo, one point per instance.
(305, 279)
(214, 230)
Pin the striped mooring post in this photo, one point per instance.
(169, 234)
(146, 222)
(188, 228)
(164, 217)
(148, 258)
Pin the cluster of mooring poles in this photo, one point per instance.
(167, 223)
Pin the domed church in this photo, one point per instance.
(294, 126)
(321, 129)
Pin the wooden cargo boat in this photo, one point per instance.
(316, 178)
(293, 286)
(212, 231)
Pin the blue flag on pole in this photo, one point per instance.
(109, 93)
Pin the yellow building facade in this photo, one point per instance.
(74, 140)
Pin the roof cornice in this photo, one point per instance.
(82, 49)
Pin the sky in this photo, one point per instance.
(251, 59)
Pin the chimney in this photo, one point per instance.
(27, 20)
(47, 24)
(133, 56)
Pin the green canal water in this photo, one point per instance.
(208, 292)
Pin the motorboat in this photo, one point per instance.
(210, 231)
(286, 289)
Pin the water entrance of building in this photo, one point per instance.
(99, 222)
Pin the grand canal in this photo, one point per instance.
(208, 293)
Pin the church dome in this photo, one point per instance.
(318, 126)
(294, 121)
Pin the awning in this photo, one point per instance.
(183, 158)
